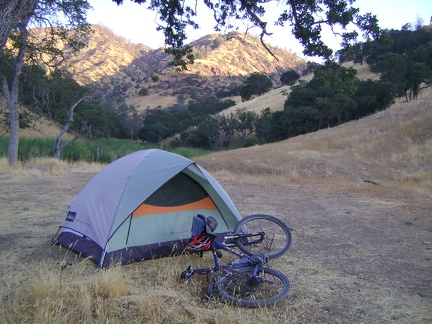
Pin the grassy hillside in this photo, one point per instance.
(394, 145)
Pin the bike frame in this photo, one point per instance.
(255, 260)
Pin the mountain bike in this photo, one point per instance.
(247, 281)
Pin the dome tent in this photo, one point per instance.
(141, 207)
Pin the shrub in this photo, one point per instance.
(251, 140)
(143, 91)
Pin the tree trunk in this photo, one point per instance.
(11, 95)
(57, 147)
(13, 133)
(12, 12)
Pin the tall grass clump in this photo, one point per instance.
(66, 294)
(143, 292)
(112, 282)
(102, 150)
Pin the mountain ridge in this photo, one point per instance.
(114, 66)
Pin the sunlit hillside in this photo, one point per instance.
(112, 65)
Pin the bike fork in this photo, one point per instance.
(187, 274)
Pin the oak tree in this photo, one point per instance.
(34, 37)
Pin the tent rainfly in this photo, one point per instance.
(141, 207)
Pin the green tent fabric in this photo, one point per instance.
(141, 207)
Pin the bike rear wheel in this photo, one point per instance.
(277, 238)
(241, 288)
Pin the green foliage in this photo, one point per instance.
(232, 90)
(335, 76)
(402, 57)
(256, 84)
(418, 74)
(209, 106)
(102, 150)
(245, 123)
(393, 68)
(160, 124)
(263, 125)
(289, 77)
(208, 129)
(403, 74)
(57, 22)
(143, 91)
(332, 97)
(92, 120)
(52, 95)
(294, 121)
(155, 77)
(193, 137)
(371, 96)
(251, 140)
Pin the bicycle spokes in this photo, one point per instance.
(275, 239)
(250, 290)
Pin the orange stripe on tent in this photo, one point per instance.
(145, 209)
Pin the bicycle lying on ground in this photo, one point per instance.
(247, 281)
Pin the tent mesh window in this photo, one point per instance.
(179, 190)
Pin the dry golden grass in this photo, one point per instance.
(273, 99)
(363, 71)
(144, 293)
(152, 101)
(45, 129)
(38, 167)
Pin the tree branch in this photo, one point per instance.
(57, 147)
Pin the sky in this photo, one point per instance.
(137, 24)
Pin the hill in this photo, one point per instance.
(114, 66)
(390, 146)
(107, 59)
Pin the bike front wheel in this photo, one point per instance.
(242, 288)
(277, 235)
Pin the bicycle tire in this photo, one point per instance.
(277, 239)
(270, 288)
